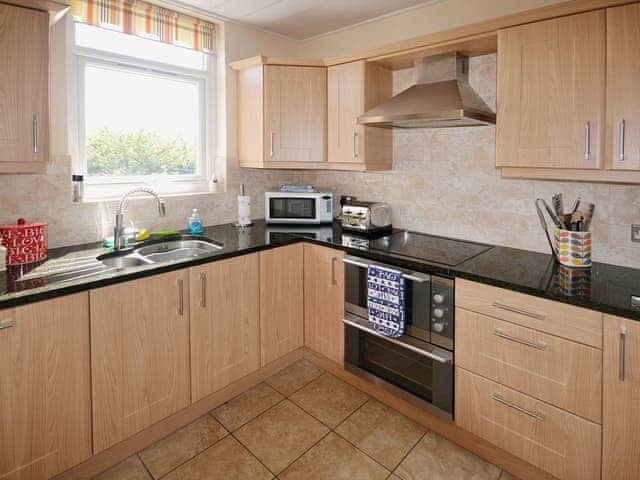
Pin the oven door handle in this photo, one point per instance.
(414, 276)
(444, 358)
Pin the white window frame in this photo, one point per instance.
(110, 187)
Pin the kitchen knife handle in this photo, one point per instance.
(621, 144)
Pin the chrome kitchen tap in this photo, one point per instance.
(118, 230)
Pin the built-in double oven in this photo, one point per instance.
(417, 366)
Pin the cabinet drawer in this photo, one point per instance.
(563, 373)
(556, 441)
(566, 321)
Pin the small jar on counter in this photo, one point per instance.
(77, 182)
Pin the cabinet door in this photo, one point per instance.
(139, 355)
(45, 402)
(281, 302)
(623, 94)
(295, 103)
(225, 323)
(324, 301)
(621, 387)
(24, 37)
(551, 93)
(345, 99)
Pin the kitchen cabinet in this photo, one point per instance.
(324, 301)
(621, 387)
(551, 93)
(24, 83)
(281, 302)
(354, 88)
(282, 116)
(225, 323)
(45, 393)
(139, 354)
(623, 96)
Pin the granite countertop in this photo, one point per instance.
(605, 288)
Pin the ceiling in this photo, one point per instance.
(301, 19)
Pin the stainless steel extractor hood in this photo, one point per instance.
(441, 97)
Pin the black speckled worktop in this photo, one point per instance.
(605, 288)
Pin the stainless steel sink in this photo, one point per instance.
(120, 262)
(179, 249)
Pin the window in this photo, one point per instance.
(145, 111)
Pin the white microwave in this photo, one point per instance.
(306, 208)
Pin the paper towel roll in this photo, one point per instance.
(244, 210)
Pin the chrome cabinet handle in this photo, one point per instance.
(537, 346)
(623, 344)
(7, 324)
(355, 145)
(203, 286)
(271, 145)
(36, 147)
(334, 281)
(587, 140)
(500, 399)
(180, 297)
(621, 144)
(519, 311)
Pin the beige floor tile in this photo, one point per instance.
(226, 460)
(294, 377)
(281, 435)
(333, 458)
(129, 469)
(381, 432)
(329, 399)
(435, 458)
(186, 443)
(246, 406)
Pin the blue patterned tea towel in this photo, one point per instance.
(386, 300)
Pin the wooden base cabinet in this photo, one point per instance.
(225, 323)
(45, 395)
(281, 302)
(324, 301)
(621, 400)
(565, 445)
(139, 354)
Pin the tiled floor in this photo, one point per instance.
(304, 423)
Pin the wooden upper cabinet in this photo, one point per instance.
(353, 88)
(281, 302)
(139, 354)
(282, 116)
(551, 93)
(295, 113)
(324, 301)
(45, 392)
(623, 95)
(621, 398)
(24, 83)
(225, 323)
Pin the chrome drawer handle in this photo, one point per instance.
(355, 144)
(180, 297)
(203, 286)
(538, 346)
(587, 141)
(623, 344)
(500, 399)
(6, 324)
(36, 134)
(509, 308)
(334, 281)
(621, 144)
(271, 144)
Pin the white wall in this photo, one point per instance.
(433, 17)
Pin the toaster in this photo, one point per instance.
(366, 217)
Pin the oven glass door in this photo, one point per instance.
(421, 376)
(417, 300)
(292, 208)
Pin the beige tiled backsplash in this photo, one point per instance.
(443, 182)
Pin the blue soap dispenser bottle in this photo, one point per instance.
(195, 224)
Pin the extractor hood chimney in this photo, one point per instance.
(441, 97)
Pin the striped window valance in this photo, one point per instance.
(137, 17)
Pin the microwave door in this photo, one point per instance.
(283, 208)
